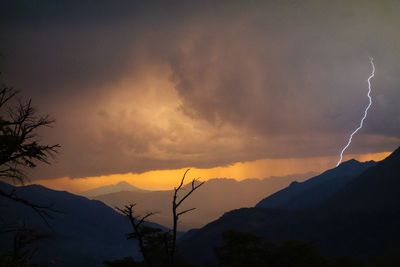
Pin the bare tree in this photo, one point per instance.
(168, 239)
(137, 226)
(176, 203)
(20, 144)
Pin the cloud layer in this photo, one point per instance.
(137, 86)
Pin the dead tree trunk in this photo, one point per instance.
(169, 245)
(136, 223)
(176, 214)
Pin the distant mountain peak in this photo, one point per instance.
(352, 164)
(123, 183)
(350, 161)
(113, 188)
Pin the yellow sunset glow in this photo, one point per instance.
(167, 179)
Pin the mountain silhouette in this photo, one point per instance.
(361, 219)
(108, 189)
(375, 191)
(316, 190)
(213, 199)
(86, 233)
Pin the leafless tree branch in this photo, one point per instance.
(20, 146)
(176, 214)
(185, 211)
(136, 223)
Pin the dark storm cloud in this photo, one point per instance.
(311, 67)
(250, 79)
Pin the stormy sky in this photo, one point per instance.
(151, 85)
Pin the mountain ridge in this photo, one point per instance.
(112, 188)
(222, 194)
(316, 189)
(335, 227)
(85, 232)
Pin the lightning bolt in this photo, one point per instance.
(365, 112)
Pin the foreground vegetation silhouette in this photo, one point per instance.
(159, 247)
(20, 146)
(241, 249)
(20, 150)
